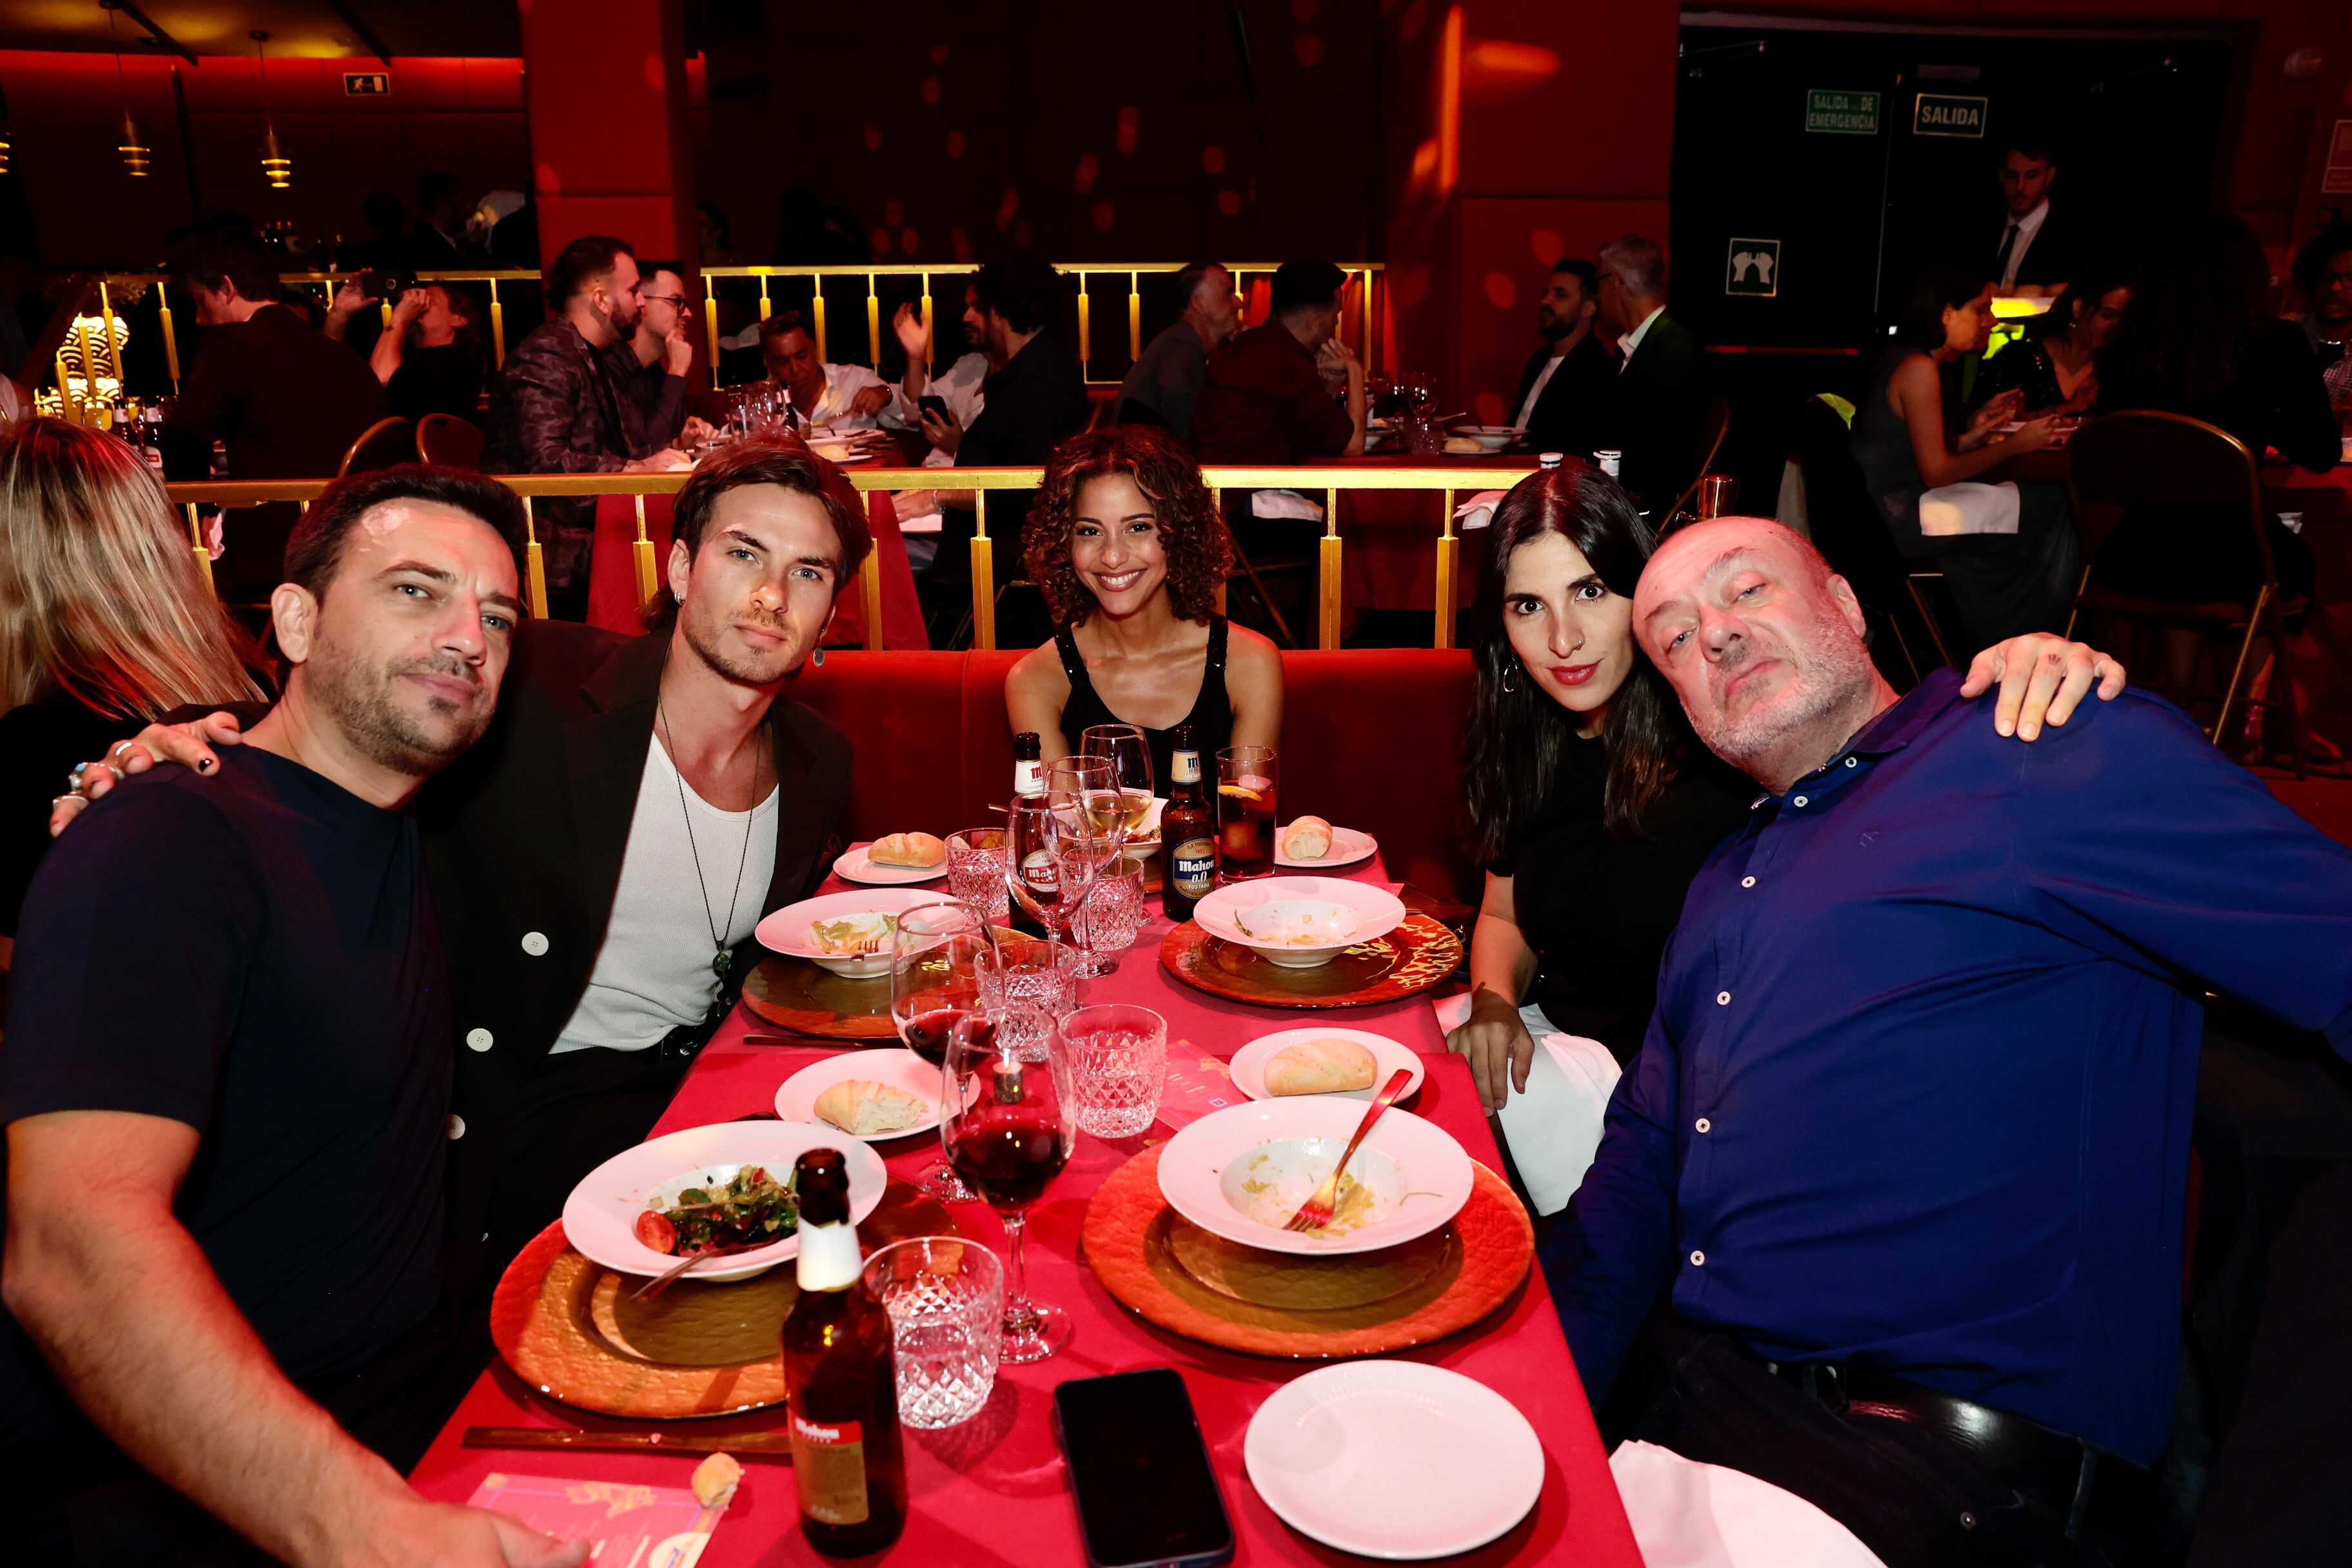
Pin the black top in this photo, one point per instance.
(1598, 910)
(42, 742)
(1212, 717)
(2025, 365)
(1037, 401)
(252, 954)
(2050, 260)
(1573, 411)
(445, 379)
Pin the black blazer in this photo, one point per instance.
(2053, 257)
(1660, 411)
(1572, 414)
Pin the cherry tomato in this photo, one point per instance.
(657, 1232)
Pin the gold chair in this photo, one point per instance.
(2144, 457)
(380, 446)
(450, 441)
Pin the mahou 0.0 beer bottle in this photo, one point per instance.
(1189, 828)
(840, 1378)
(1038, 869)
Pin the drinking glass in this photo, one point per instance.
(976, 871)
(1025, 971)
(1118, 1060)
(1129, 755)
(1086, 813)
(1010, 1124)
(1420, 390)
(1115, 913)
(945, 1301)
(934, 986)
(1247, 778)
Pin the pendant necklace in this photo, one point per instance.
(722, 956)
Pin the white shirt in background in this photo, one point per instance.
(653, 975)
(2027, 228)
(1535, 392)
(842, 382)
(959, 386)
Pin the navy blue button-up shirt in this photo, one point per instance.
(1916, 1095)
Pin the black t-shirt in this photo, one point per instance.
(1598, 910)
(443, 380)
(41, 742)
(254, 956)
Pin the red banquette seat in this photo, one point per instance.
(1370, 739)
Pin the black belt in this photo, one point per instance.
(2057, 1471)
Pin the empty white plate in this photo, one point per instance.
(856, 864)
(902, 1071)
(1349, 846)
(1393, 1460)
(1248, 1066)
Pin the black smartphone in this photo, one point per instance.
(933, 403)
(1147, 1497)
(389, 285)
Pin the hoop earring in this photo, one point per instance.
(1511, 677)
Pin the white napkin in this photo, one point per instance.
(1478, 511)
(1554, 1126)
(1689, 1515)
(1284, 504)
(1969, 508)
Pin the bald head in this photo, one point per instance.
(1762, 642)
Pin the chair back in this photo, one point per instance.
(380, 446)
(450, 441)
(2143, 456)
(1711, 433)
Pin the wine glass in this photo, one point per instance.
(1088, 814)
(1129, 755)
(933, 987)
(1012, 1121)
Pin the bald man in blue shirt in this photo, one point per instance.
(1907, 1142)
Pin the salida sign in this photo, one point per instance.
(1943, 114)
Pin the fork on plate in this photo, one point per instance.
(1316, 1212)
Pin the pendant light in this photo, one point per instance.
(128, 142)
(4, 133)
(275, 166)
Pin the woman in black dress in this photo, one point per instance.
(105, 623)
(2054, 366)
(1588, 798)
(1128, 550)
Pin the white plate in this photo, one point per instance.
(787, 930)
(600, 1218)
(1393, 1460)
(1420, 1174)
(856, 864)
(901, 1070)
(1349, 846)
(1248, 1065)
(1378, 912)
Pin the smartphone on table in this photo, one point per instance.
(1147, 1495)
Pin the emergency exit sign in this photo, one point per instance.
(367, 84)
(1939, 114)
(1835, 111)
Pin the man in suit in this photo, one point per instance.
(600, 859)
(1660, 408)
(1564, 393)
(2033, 256)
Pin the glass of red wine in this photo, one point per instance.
(933, 987)
(1012, 1121)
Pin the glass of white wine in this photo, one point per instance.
(1129, 755)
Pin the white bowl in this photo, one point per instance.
(600, 1218)
(1490, 437)
(1299, 921)
(787, 931)
(1418, 1175)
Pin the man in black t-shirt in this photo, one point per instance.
(227, 1089)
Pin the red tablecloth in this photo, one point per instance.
(993, 1490)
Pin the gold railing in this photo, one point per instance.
(1364, 275)
(1331, 481)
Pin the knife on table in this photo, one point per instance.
(772, 1445)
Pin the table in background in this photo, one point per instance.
(995, 1490)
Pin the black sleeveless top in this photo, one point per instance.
(1212, 717)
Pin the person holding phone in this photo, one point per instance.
(942, 407)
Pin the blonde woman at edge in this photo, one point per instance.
(106, 624)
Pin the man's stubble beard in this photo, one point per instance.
(1835, 673)
(361, 704)
(705, 642)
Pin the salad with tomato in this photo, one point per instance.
(749, 1209)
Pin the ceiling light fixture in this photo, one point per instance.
(135, 155)
(275, 166)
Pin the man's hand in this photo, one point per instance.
(1500, 1049)
(697, 432)
(2043, 679)
(414, 1533)
(914, 330)
(668, 460)
(942, 431)
(189, 745)
(405, 310)
(677, 351)
(870, 400)
(915, 503)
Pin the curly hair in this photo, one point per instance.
(1199, 550)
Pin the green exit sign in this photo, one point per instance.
(1835, 111)
(1940, 114)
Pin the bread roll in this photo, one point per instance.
(1461, 447)
(908, 849)
(869, 1109)
(1319, 1066)
(1309, 839)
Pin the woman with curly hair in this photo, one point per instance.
(1128, 550)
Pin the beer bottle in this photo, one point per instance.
(1029, 779)
(840, 1378)
(1028, 769)
(1188, 829)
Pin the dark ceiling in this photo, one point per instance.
(319, 28)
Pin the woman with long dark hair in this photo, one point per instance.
(1586, 795)
(2054, 366)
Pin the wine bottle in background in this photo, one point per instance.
(1188, 831)
(840, 1378)
(1029, 779)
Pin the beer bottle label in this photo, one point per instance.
(1184, 767)
(829, 1468)
(1037, 870)
(1193, 868)
(1028, 778)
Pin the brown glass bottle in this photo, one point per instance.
(840, 1379)
(1188, 829)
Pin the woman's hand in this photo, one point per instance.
(2043, 679)
(1997, 410)
(2034, 434)
(1498, 1046)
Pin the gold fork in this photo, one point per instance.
(1316, 1212)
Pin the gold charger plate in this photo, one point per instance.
(808, 999)
(1167, 1271)
(1409, 959)
(567, 1326)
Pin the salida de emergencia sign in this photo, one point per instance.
(1836, 111)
